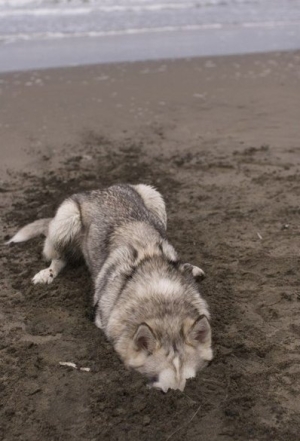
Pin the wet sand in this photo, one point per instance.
(219, 137)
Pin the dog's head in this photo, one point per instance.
(171, 356)
(161, 325)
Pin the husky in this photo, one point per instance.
(146, 300)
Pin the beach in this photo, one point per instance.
(219, 137)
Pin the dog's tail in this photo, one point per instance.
(31, 230)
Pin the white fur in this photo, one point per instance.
(169, 251)
(44, 276)
(197, 272)
(66, 224)
(176, 364)
(63, 228)
(206, 353)
(167, 380)
(153, 200)
(189, 372)
(47, 275)
(29, 231)
(165, 286)
(21, 236)
(137, 360)
(98, 322)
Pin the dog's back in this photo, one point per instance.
(104, 212)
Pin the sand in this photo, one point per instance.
(220, 138)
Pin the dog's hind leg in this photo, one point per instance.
(62, 234)
(48, 275)
(153, 201)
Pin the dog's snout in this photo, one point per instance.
(154, 379)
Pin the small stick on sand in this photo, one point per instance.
(259, 236)
(68, 363)
(73, 365)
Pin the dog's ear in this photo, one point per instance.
(200, 331)
(195, 271)
(144, 338)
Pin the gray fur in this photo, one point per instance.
(146, 300)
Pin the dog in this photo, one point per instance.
(146, 300)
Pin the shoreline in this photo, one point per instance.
(227, 40)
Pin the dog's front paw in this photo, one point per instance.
(45, 276)
(198, 273)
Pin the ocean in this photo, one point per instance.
(120, 30)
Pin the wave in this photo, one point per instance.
(91, 10)
(22, 3)
(92, 34)
(44, 7)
